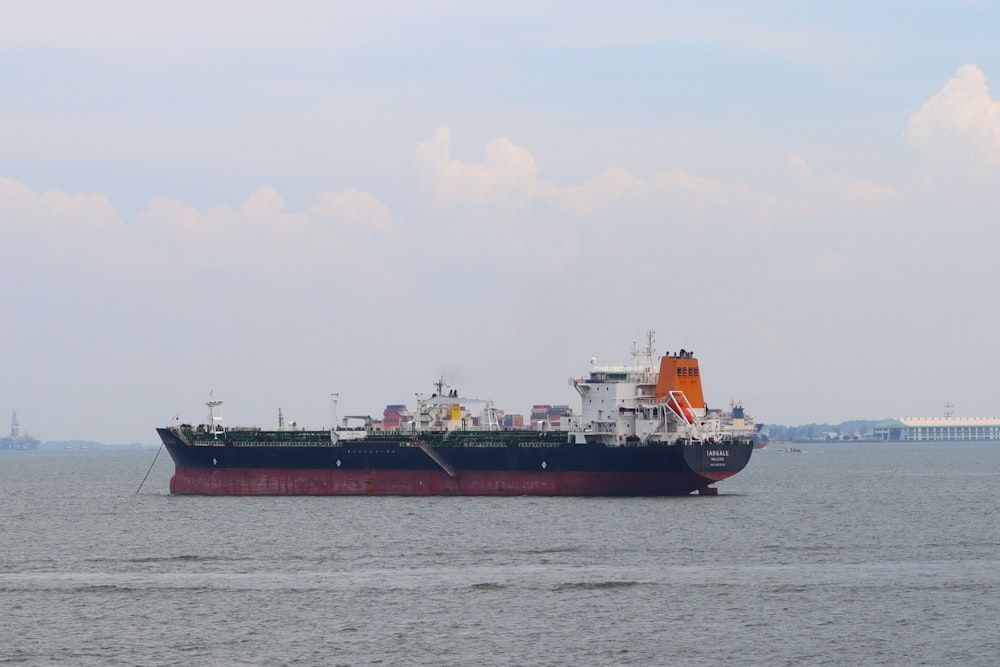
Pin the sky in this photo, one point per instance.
(278, 201)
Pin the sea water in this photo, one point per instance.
(843, 554)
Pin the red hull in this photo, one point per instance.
(270, 482)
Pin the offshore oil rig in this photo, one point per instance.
(17, 441)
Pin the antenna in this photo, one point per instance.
(647, 350)
(949, 409)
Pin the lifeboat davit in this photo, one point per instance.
(681, 408)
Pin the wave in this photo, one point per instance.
(594, 585)
(180, 558)
(488, 586)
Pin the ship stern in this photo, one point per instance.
(716, 460)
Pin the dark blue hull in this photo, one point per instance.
(510, 463)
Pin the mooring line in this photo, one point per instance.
(149, 471)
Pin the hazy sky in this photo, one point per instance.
(281, 200)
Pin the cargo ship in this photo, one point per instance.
(643, 430)
(738, 421)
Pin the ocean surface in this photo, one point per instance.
(846, 554)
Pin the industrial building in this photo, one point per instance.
(937, 428)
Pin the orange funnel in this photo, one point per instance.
(680, 374)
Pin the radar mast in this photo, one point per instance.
(215, 420)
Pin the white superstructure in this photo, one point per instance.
(637, 404)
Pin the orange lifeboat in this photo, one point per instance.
(681, 408)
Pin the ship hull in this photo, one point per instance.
(511, 465)
(272, 482)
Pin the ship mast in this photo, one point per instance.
(334, 436)
(646, 351)
(214, 419)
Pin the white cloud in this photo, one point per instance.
(506, 172)
(60, 211)
(59, 226)
(508, 176)
(343, 230)
(960, 122)
(678, 194)
(360, 213)
(346, 230)
(598, 192)
(838, 187)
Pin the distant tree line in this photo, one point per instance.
(857, 429)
